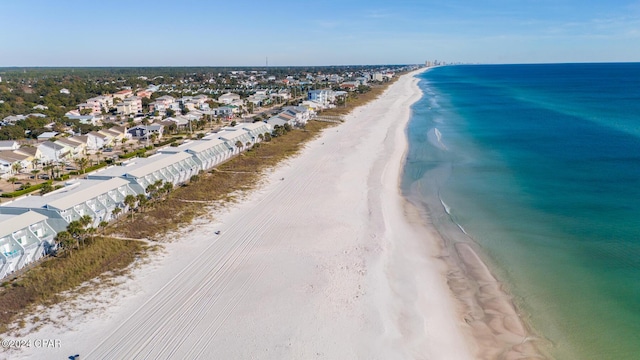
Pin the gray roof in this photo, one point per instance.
(12, 223)
(159, 163)
(201, 146)
(277, 121)
(231, 135)
(75, 193)
(81, 194)
(7, 143)
(52, 145)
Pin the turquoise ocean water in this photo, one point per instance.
(540, 166)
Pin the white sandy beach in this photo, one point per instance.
(321, 265)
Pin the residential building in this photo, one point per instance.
(207, 153)
(97, 140)
(131, 105)
(142, 172)
(47, 135)
(76, 147)
(54, 152)
(142, 132)
(9, 158)
(123, 94)
(95, 198)
(323, 97)
(9, 145)
(235, 138)
(144, 93)
(24, 238)
(228, 98)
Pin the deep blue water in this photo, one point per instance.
(540, 164)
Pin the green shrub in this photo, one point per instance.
(24, 191)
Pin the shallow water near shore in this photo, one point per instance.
(540, 166)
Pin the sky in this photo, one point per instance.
(327, 32)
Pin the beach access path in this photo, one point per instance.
(321, 262)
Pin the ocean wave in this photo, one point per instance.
(435, 137)
(447, 209)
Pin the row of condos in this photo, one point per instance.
(24, 238)
(28, 225)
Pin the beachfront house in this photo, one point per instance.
(142, 172)
(207, 152)
(24, 238)
(235, 138)
(95, 198)
(256, 129)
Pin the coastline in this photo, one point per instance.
(494, 328)
(296, 273)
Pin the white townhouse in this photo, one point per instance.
(9, 145)
(53, 152)
(116, 133)
(95, 198)
(207, 152)
(228, 98)
(96, 140)
(8, 158)
(76, 147)
(235, 138)
(256, 129)
(24, 238)
(142, 172)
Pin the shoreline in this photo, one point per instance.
(295, 273)
(495, 328)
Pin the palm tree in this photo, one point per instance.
(103, 225)
(152, 190)
(167, 187)
(47, 168)
(13, 181)
(116, 212)
(16, 167)
(76, 230)
(91, 232)
(82, 163)
(130, 201)
(35, 162)
(64, 239)
(261, 137)
(142, 201)
(35, 174)
(239, 145)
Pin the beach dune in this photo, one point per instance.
(321, 262)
